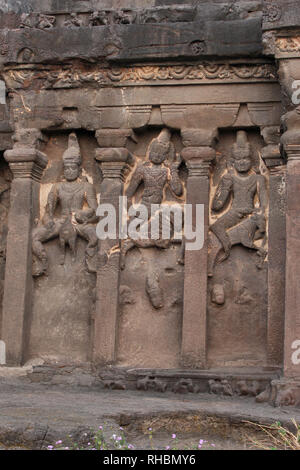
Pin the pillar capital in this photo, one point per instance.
(198, 159)
(25, 158)
(271, 152)
(26, 162)
(114, 162)
(113, 156)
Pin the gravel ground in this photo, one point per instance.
(33, 416)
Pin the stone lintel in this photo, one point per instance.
(114, 137)
(199, 137)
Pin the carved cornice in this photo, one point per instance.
(71, 77)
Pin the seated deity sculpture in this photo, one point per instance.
(244, 222)
(78, 204)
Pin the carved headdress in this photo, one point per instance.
(72, 154)
(163, 145)
(241, 148)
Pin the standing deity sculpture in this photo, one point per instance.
(245, 221)
(78, 204)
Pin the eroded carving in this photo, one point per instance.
(244, 388)
(288, 397)
(126, 295)
(264, 396)
(125, 16)
(168, 14)
(153, 289)
(151, 383)
(73, 21)
(25, 55)
(198, 47)
(108, 16)
(37, 20)
(114, 381)
(271, 12)
(99, 18)
(71, 194)
(220, 387)
(218, 294)
(4, 46)
(285, 392)
(185, 386)
(243, 223)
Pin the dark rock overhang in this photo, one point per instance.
(46, 32)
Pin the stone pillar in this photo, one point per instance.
(198, 155)
(292, 301)
(286, 391)
(276, 246)
(114, 159)
(27, 164)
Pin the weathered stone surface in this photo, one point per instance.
(44, 416)
(172, 104)
(135, 42)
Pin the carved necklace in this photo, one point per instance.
(69, 189)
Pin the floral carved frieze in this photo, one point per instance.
(288, 44)
(48, 78)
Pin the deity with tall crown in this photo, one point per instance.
(72, 195)
(155, 174)
(244, 221)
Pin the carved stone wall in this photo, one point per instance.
(151, 284)
(162, 102)
(64, 298)
(237, 302)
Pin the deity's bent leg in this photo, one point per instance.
(226, 221)
(41, 235)
(88, 232)
(215, 247)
